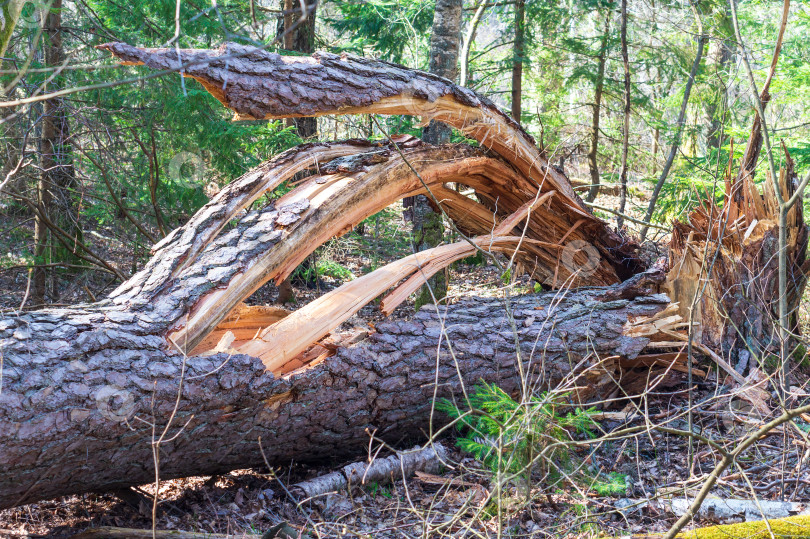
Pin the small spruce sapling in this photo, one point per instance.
(521, 439)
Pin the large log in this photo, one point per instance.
(344, 191)
(174, 367)
(87, 390)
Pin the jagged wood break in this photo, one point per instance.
(84, 388)
(260, 85)
(737, 311)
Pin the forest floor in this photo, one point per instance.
(249, 502)
(452, 504)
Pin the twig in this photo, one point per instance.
(727, 460)
(625, 216)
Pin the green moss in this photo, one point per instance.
(798, 526)
(11, 13)
(430, 235)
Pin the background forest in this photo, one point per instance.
(133, 161)
(645, 105)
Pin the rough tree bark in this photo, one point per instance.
(84, 386)
(88, 390)
(518, 52)
(737, 311)
(266, 85)
(300, 37)
(716, 107)
(57, 180)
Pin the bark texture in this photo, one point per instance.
(445, 39)
(83, 387)
(88, 390)
(299, 36)
(57, 179)
(716, 108)
(518, 50)
(738, 291)
(626, 123)
(266, 85)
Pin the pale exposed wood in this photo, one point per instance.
(649, 326)
(258, 84)
(381, 470)
(317, 395)
(277, 344)
(244, 323)
(83, 386)
(349, 189)
(739, 243)
(407, 92)
(181, 247)
(263, 85)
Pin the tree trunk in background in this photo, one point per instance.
(626, 126)
(466, 45)
(716, 108)
(11, 153)
(57, 179)
(86, 388)
(382, 88)
(593, 152)
(517, 59)
(300, 39)
(673, 150)
(428, 227)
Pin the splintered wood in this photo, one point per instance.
(286, 339)
(344, 191)
(514, 202)
(724, 277)
(726, 257)
(345, 186)
(240, 326)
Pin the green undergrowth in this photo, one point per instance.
(531, 441)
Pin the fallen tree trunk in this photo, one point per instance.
(95, 395)
(87, 391)
(174, 372)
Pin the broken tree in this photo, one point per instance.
(173, 370)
